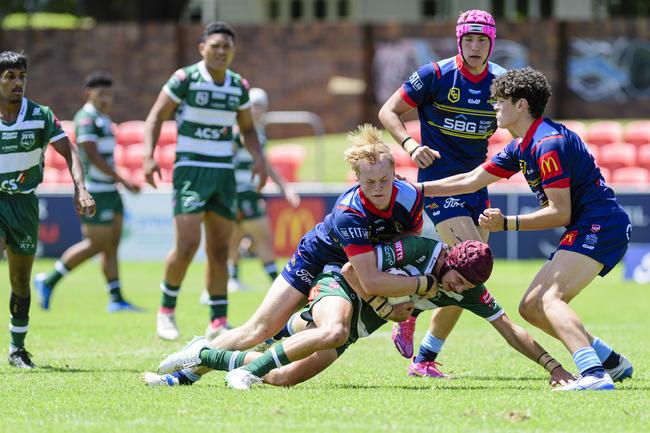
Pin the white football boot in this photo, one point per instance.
(186, 358)
(589, 383)
(241, 379)
(166, 326)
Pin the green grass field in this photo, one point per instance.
(90, 366)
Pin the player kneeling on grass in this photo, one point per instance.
(340, 311)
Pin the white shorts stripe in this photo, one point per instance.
(203, 164)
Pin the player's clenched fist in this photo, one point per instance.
(491, 219)
(84, 203)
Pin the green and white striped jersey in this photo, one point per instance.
(206, 115)
(92, 125)
(22, 147)
(244, 162)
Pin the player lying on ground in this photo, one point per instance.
(338, 315)
(572, 193)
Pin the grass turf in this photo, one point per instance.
(90, 364)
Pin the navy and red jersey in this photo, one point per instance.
(456, 114)
(552, 156)
(355, 225)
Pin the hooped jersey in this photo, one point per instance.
(94, 126)
(355, 225)
(552, 156)
(22, 147)
(418, 256)
(206, 115)
(456, 114)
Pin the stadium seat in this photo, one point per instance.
(166, 175)
(165, 156)
(604, 132)
(133, 156)
(136, 175)
(402, 159)
(286, 159)
(637, 133)
(631, 176)
(413, 128)
(64, 175)
(167, 133)
(130, 132)
(119, 155)
(53, 159)
(576, 126)
(500, 137)
(410, 173)
(50, 175)
(643, 156)
(617, 155)
(68, 127)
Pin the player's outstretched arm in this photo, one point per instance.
(463, 183)
(162, 109)
(83, 201)
(523, 342)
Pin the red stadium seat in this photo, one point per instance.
(500, 137)
(413, 128)
(286, 159)
(68, 127)
(119, 155)
(50, 175)
(53, 159)
(643, 156)
(167, 133)
(617, 155)
(64, 175)
(402, 159)
(410, 173)
(130, 132)
(166, 156)
(638, 132)
(604, 132)
(166, 175)
(136, 175)
(631, 176)
(133, 156)
(576, 126)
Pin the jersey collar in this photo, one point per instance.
(528, 138)
(371, 207)
(203, 70)
(460, 64)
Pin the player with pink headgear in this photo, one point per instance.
(452, 97)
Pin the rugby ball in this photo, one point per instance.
(394, 300)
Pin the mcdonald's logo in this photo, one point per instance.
(569, 238)
(549, 164)
(290, 226)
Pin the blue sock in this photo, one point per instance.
(429, 348)
(588, 363)
(186, 377)
(607, 356)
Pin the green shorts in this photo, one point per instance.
(108, 204)
(199, 189)
(250, 205)
(364, 319)
(19, 222)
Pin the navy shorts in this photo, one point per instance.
(308, 261)
(471, 205)
(603, 238)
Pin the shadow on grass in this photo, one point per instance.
(71, 369)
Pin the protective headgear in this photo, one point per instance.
(476, 21)
(259, 97)
(472, 259)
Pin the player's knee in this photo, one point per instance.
(335, 335)
(530, 308)
(186, 249)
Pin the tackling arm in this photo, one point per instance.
(459, 184)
